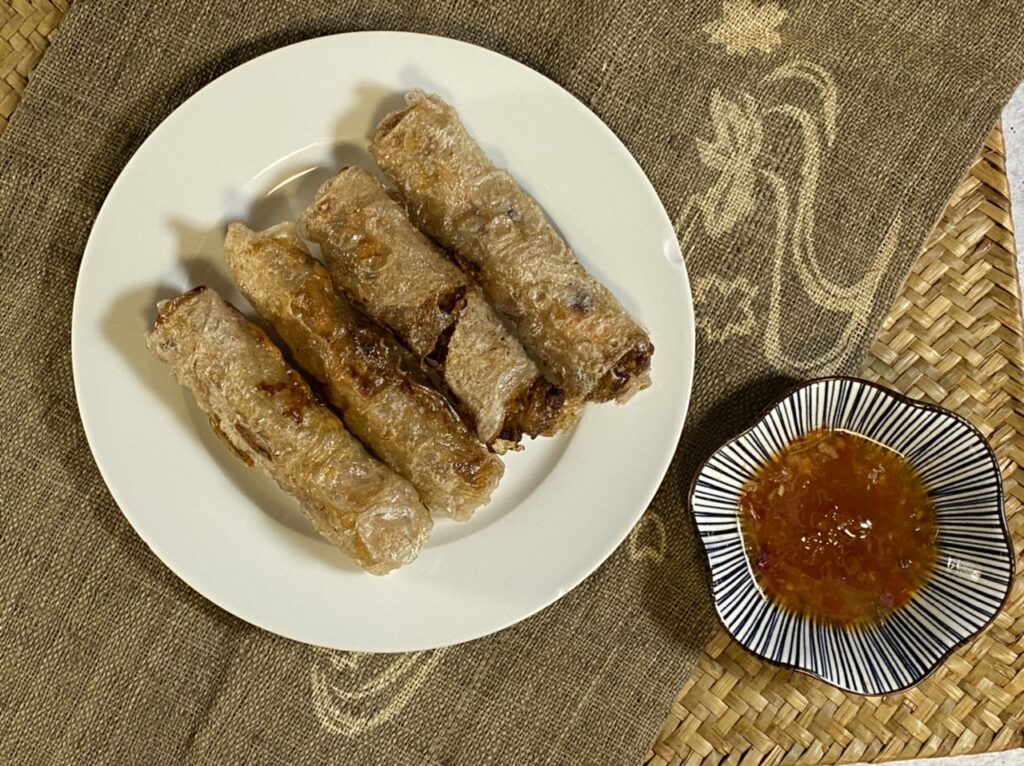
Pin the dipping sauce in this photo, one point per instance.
(838, 528)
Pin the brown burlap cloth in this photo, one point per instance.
(804, 150)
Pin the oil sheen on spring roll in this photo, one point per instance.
(266, 414)
(399, 278)
(568, 320)
(408, 425)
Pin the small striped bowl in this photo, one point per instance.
(975, 555)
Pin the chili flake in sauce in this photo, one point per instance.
(838, 528)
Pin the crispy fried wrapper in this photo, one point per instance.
(383, 264)
(266, 414)
(488, 370)
(407, 424)
(567, 320)
(399, 278)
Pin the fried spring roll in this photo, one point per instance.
(497, 383)
(404, 422)
(265, 413)
(568, 320)
(400, 279)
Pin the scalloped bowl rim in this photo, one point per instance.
(907, 403)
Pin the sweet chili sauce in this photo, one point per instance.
(838, 528)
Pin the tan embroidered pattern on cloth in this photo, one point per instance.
(746, 183)
(768, 129)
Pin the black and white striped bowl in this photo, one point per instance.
(975, 562)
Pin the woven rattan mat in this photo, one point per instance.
(25, 31)
(954, 338)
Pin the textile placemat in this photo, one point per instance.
(804, 153)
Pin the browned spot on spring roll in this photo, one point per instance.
(404, 422)
(568, 320)
(389, 269)
(266, 414)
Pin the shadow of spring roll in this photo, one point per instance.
(266, 415)
(399, 278)
(569, 321)
(404, 422)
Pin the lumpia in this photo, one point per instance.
(266, 414)
(567, 320)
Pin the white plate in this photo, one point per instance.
(254, 145)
